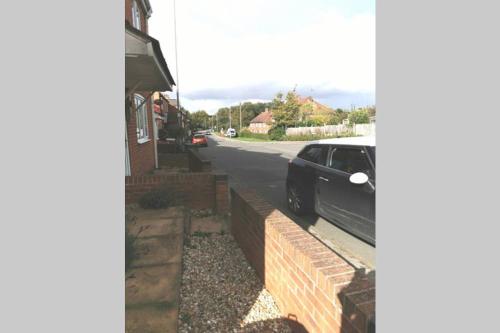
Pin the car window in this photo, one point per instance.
(198, 136)
(350, 160)
(315, 153)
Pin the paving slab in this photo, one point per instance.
(154, 227)
(158, 250)
(152, 284)
(151, 319)
(170, 212)
(209, 224)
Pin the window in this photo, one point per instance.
(315, 154)
(136, 15)
(141, 118)
(350, 160)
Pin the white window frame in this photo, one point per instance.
(141, 117)
(136, 15)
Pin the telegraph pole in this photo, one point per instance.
(230, 117)
(176, 61)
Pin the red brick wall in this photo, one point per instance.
(128, 15)
(142, 155)
(310, 283)
(197, 163)
(221, 194)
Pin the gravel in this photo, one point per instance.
(220, 292)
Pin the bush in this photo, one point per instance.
(245, 133)
(162, 134)
(276, 133)
(155, 199)
(312, 137)
(359, 117)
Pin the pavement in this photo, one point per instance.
(263, 166)
(152, 284)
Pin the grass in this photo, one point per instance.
(251, 139)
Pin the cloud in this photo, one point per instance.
(234, 50)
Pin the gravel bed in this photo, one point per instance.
(220, 292)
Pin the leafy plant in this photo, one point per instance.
(276, 133)
(162, 134)
(156, 199)
(359, 117)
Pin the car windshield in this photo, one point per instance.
(198, 136)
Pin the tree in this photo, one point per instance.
(286, 112)
(359, 116)
(199, 119)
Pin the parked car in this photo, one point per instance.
(200, 140)
(335, 178)
(231, 132)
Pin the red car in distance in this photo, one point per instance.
(199, 140)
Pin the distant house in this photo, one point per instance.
(262, 123)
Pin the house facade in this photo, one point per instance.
(145, 73)
(262, 123)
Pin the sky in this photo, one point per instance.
(248, 50)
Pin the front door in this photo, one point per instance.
(349, 205)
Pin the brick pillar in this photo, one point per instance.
(221, 193)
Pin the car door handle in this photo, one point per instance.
(323, 178)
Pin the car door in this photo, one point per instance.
(349, 205)
(313, 156)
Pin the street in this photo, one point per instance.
(263, 166)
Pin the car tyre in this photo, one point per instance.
(295, 200)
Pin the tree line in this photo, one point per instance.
(286, 110)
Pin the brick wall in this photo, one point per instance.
(310, 283)
(142, 155)
(173, 160)
(197, 163)
(195, 190)
(128, 15)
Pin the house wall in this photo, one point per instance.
(261, 128)
(142, 155)
(128, 15)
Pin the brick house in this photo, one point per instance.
(146, 72)
(262, 123)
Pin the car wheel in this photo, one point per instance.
(295, 200)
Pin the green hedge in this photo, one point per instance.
(245, 133)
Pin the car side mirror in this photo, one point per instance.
(358, 178)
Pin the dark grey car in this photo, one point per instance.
(335, 178)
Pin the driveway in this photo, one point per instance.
(263, 167)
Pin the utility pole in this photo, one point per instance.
(176, 62)
(240, 116)
(230, 117)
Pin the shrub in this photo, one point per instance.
(156, 199)
(276, 133)
(162, 134)
(359, 117)
(245, 133)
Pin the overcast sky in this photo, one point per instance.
(248, 50)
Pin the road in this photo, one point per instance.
(263, 167)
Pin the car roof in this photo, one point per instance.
(351, 141)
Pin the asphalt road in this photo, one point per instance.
(263, 167)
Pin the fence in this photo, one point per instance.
(331, 130)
